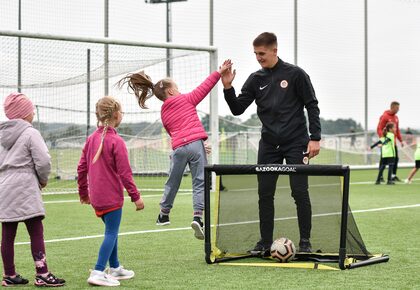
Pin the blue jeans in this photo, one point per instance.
(109, 248)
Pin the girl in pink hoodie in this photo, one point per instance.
(103, 172)
(180, 119)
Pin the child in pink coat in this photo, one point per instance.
(24, 168)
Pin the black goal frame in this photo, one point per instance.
(344, 260)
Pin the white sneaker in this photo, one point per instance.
(407, 181)
(120, 273)
(100, 278)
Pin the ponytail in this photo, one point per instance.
(387, 128)
(101, 145)
(105, 109)
(143, 88)
(140, 84)
(384, 131)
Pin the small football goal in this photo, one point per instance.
(232, 218)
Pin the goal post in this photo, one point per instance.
(232, 219)
(65, 75)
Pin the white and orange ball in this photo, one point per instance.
(283, 250)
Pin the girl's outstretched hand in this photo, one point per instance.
(139, 204)
(228, 76)
(225, 66)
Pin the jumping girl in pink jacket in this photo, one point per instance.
(180, 119)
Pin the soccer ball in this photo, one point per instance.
(283, 250)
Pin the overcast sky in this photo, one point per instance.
(330, 42)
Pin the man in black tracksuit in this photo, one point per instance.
(281, 91)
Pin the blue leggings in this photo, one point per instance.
(109, 247)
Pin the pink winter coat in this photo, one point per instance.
(24, 164)
(179, 114)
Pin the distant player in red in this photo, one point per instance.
(390, 116)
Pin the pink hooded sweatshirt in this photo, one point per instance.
(104, 180)
(179, 114)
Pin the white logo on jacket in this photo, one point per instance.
(284, 84)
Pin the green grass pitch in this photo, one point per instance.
(171, 258)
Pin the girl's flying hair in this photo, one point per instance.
(143, 88)
(105, 109)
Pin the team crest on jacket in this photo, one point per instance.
(284, 84)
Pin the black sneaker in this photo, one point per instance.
(377, 182)
(197, 226)
(162, 220)
(395, 178)
(390, 182)
(305, 246)
(17, 280)
(260, 250)
(49, 281)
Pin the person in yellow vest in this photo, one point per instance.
(417, 165)
(387, 144)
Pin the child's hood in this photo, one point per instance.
(11, 130)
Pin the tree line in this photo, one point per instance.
(53, 131)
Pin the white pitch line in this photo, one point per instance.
(189, 228)
(125, 197)
(100, 236)
(190, 193)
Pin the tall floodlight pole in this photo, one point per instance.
(366, 65)
(211, 40)
(106, 52)
(366, 77)
(168, 38)
(296, 32)
(88, 93)
(19, 72)
(168, 29)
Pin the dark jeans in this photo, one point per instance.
(384, 162)
(395, 166)
(293, 154)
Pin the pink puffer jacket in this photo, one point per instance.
(179, 114)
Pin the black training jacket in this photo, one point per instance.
(281, 93)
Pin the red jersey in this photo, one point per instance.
(387, 117)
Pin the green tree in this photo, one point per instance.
(125, 129)
(339, 126)
(253, 121)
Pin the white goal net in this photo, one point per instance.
(65, 77)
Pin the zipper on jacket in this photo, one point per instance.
(272, 84)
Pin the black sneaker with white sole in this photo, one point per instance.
(305, 246)
(162, 220)
(197, 226)
(260, 250)
(17, 280)
(49, 281)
